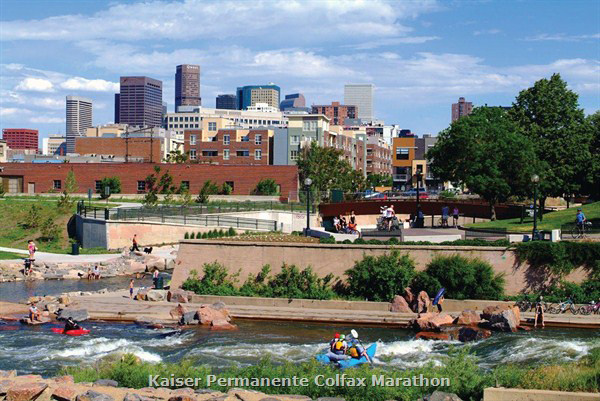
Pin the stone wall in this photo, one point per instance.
(336, 259)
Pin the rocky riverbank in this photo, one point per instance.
(125, 264)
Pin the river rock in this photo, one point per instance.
(156, 295)
(467, 334)
(92, 395)
(222, 325)
(106, 383)
(142, 294)
(136, 397)
(27, 321)
(179, 296)
(64, 393)
(468, 318)
(7, 374)
(502, 318)
(429, 335)
(178, 312)
(137, 267)
(422, 303)
(400, 305)
(79, 315)
(409, 296)
(431, 321)
(25, 391)
(154, 262)
(207, 313)
(189, 318)
(5, 384)
(64, 379)
(219, 305)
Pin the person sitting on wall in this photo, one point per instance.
(336, 224)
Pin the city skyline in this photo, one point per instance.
(421, 56)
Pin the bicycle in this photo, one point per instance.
(592, 307)
(562, 307)
(581, 230)
(524, 305)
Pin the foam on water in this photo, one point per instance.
(96, 348)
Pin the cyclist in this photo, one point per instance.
(580, 219)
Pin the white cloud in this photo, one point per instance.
(35, 85)
(10, 111)
(487, 32)
(97, 85)
(47, 120)
(393, 42)
(562, 37)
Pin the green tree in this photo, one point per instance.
(49, 230)
(379, 180)
(32, 220)
(485, 151)
(592, 180)
(328, 170)
(549, 114)
(2, 190)
(266, 186)
(226, 189)
(114, 183)
(176, 156)
(66, 202)
(208, 188)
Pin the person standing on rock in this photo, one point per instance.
(134, 246)
(539, 312)
(131, 289)
(32, 249)
(96, 272)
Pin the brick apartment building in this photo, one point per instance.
(21, 138)
(229, 146)
(144, 148)
(42, 178)
(336, 112)
(379, 156)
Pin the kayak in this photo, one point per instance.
(349, 362)
(440, 293)
(74, 333)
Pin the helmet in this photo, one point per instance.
(337, 335)
(342, 336)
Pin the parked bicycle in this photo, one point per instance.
(581, 230)
(527, 306)
(592, 307)
(563, 307)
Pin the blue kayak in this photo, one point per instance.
(348, 362)
(440, 293)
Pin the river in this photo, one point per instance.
(38, 350)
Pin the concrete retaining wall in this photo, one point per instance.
(337, 258)
(91, 233)
(515, 394)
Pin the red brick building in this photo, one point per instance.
(148, 149)
(43, 178)
(379, 157)
(336, 112)
(21, 138)
(229, 146)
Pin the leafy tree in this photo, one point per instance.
(379, 180)
(266, 186)
(592, 183)
(158, 183)
(49, 230)
(328, 170)
(66, 202)
(208, 188)
(32, 220)
(114, 183)
(176, 156)
(485, 151)
(226, 189)
(549, 114)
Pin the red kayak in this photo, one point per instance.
(74, 333)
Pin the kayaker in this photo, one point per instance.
(71, 325)
(334, 340)
(356, 349)
(341, 346)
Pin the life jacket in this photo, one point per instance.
(339, 346)
(353, 352)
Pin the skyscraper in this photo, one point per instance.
(140, 102)
(187, 85)
(117, 103)
(252, 94)
(462, 108)
(79, 118)
(361, 96)
(226, 102)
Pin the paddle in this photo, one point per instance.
(354, 334)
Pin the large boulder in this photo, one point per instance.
(106, 383)
(429, 335)
(92, 395)
(156, 295)
(178, 312)
(154, 262)
(207, 313)
(400, 305)
(64, 393)
(422, 303)
(467, 334)
(79, 315)
(432, 321)
(179, 296)
(409, 296)
(222, 325)
(136, 397)
(142, 294)
(189, 318)
(502, 318)
(468, 318)
(64, 299)
(25, 391)
(136, 267)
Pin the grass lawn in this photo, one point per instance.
(10, 255)
(552, 220)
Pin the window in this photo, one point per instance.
(294, 140)
(258, 139)
(257, 154)
(210, 153)
(56, 184)
(192, 139)
(402, 153)
(212, 126)
(243, 153)
(141, 186)
(185, 185)
(192, 154)
(309, 125)
(98, 185)
(245, 138)
(294, 155)
(225, 154)
(231, 184)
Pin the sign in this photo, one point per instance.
(107, 191)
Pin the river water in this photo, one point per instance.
(38, 350)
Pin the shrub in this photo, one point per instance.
(208, 188)
(445, 194)
(463, 278)
(231, 232)
(114, 183)
(192, 235)
(49, 230)
(425, 282)
(32, 220)
(214, 282)
(560, 258)
(186, 236)
(327, 240)
(380, 278)
(226, 189)
(204, 236)
(266, 186)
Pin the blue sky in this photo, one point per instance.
(421, 55)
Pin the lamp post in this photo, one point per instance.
(418, 175)
(307, 184)
(534, 179)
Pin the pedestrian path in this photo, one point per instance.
(165, 252)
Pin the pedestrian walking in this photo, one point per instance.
(134, 246)
(455, 217)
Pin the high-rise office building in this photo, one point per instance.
(336, 112)
(117, 105)
(252, 94)
(79, 119)
(140, 102)
(21, 138)
(292, 101)
(462, 108)
(187, 85)
(226, 102)
(361, 96)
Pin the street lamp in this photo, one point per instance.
(418, 175)
(534, 179)
(307, 184)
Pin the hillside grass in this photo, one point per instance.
(551, 221)
(10, 255)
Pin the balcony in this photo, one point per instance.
(401, 177)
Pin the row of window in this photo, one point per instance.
(226, 153)
(227, 139)
(141, 185)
